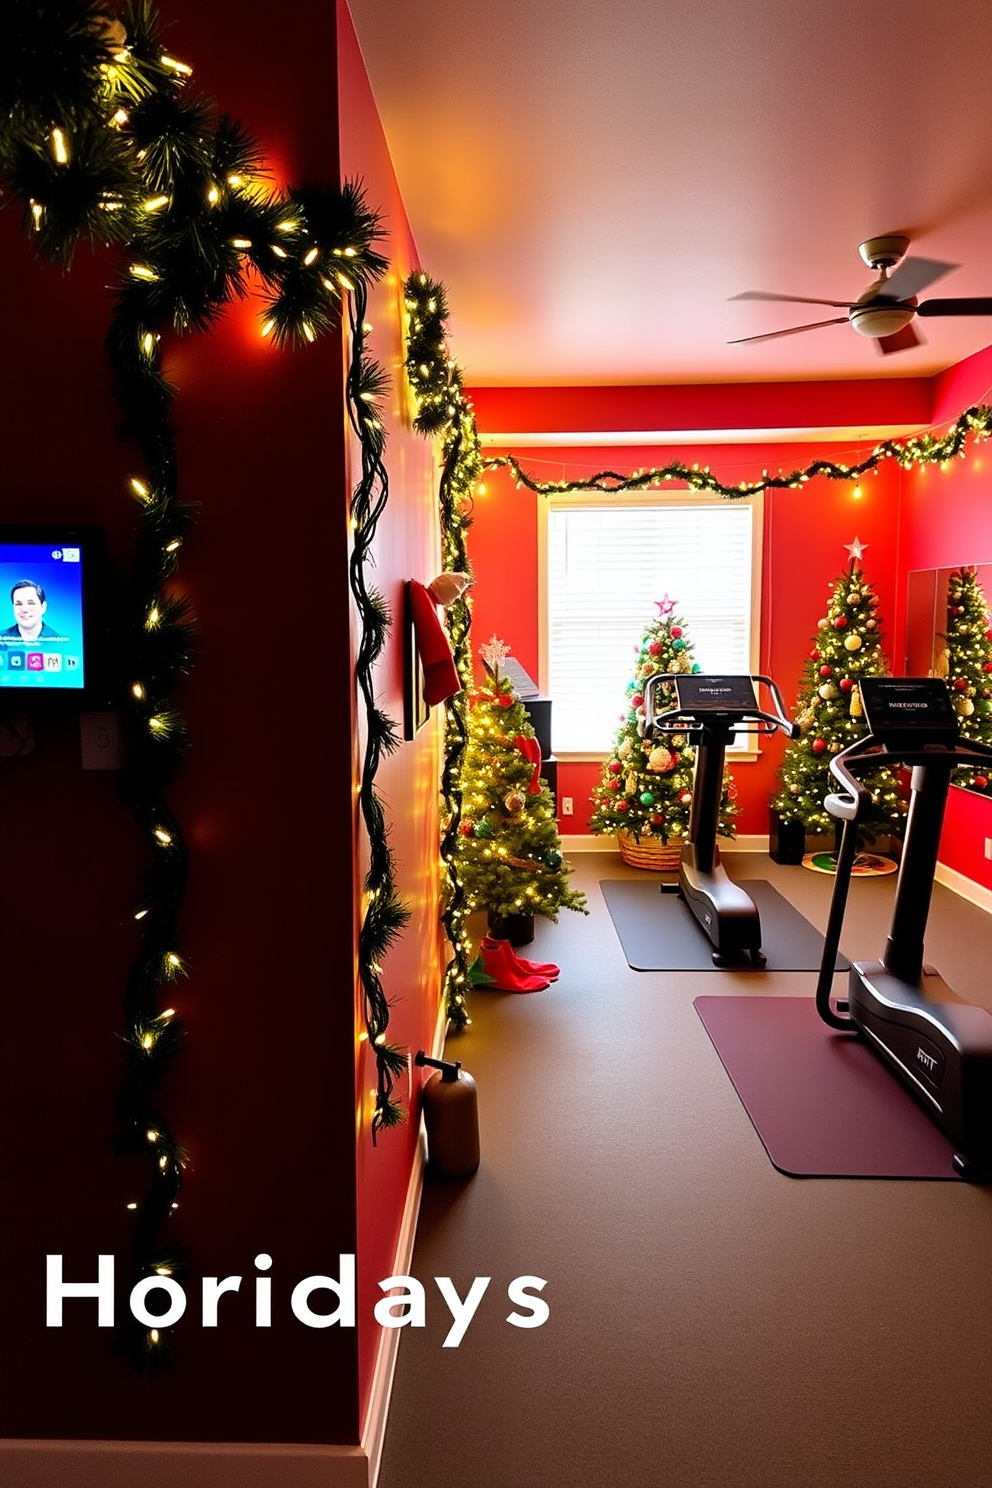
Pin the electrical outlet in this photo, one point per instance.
(566, 806)
(988, 847)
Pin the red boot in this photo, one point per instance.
(508, 974)
(527, 968)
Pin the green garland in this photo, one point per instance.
(921, 449)
(101, 141)
(444, 411)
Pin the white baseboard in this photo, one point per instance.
(967, 887)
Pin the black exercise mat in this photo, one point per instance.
(658, 933)
(822, 1103)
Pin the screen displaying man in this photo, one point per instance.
(30, 604)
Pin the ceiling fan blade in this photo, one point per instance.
(975, 305)
(915, 274)
(761, 294)
(792, 331)
(903, 340)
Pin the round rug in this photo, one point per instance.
(866, 865)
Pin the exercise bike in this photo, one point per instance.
(711, 711)
(940, 1050)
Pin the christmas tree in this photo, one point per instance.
(848, 646)
(509, 858)
(966, 664)
(646, 785)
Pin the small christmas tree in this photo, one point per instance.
(509, 858)
(967, 667)
(848, 646)
(646, 785)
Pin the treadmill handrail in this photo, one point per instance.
(772, 721)
(870, 751)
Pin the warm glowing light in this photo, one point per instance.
(156, 203)
(175, 66)
(153, 618)
(311, 256)
(139, 488)
(241, 242)
(152, 1134)
(148, 343)
(37, 212)
(142, 271)
(279, 252)
(163, 836)
(59, 147)
(120, 117)
(290, 225)
(268, 327)
(308, 331)
(213, 196)
(174, 545)
(148, 1041)
(153, 1336)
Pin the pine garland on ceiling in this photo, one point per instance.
(101, 140)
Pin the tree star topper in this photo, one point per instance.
(856, 548)
(666, 605)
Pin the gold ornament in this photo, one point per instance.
(828, 690)
(964, 706)
(660, 760)
(857, 706)
(852, 642)
(515, 801)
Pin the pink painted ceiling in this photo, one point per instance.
(594, 182)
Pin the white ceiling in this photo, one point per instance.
(593, 181)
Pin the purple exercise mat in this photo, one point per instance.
(822, 1103)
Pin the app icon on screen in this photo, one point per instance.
(36, 661)
(53, 661)
(72, 663)
(15, 660)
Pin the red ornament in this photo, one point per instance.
(675, 631)
(637, 699)
(623, 805)
(845, 684)
(613, 785)
(981, 781)
(615, 767)
(686, 798)
(655, 648)
(466, 828)
(657, 821)
(818, 746)
(840, 622)
(506, 701)
(825, 670)
(960, 684)
(814, 655)
(987, 667)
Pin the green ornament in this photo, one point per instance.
(696, 668)
(482, 829)
(553, 860)
(647, 799)
(678, 645)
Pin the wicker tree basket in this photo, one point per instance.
(650, 852)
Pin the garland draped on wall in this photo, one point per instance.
(100, 139)
(444, 411)
(921, 449)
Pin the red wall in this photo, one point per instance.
(947, 520)
(264, 1094)
(804, 537)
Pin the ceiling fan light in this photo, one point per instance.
(880, 320)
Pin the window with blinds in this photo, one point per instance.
(607, 566)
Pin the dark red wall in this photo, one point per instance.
(270, 1091)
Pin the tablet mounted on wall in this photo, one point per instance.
(55, 617)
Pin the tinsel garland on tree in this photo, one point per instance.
(101, 140)
(444, 412)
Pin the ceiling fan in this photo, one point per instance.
(887, 308)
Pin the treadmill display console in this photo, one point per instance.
(704, 694)
(898, 709)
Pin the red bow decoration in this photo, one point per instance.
(531, 751)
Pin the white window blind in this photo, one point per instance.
(607, 566)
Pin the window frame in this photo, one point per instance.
(747, 749)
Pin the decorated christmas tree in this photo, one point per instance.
(509, 857)
(967, 666)
(847, 647)
(646, 784)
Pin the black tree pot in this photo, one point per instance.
(518, 929)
